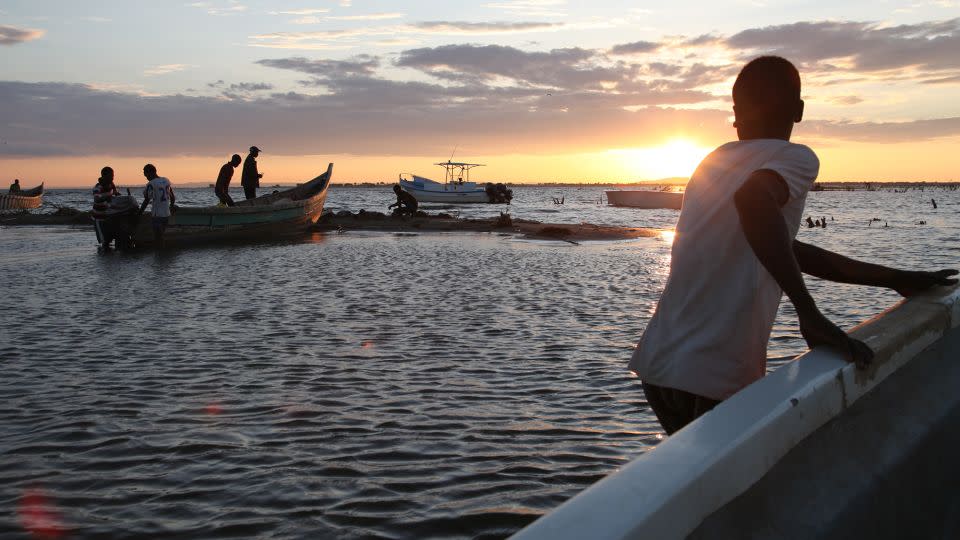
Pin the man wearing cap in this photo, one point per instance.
(250, 179)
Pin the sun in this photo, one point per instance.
(675, 158)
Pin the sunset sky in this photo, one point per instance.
(539, 90)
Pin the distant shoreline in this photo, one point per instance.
(842, 185)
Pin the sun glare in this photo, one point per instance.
(674, 158)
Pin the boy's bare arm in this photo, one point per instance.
(832, 266)
(758, 204)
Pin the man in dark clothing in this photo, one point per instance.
(222, 188)
(103, 193)
(406, 203)
(15, 187)
(250, 178)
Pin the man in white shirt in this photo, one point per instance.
(159, 192)
(734, 255)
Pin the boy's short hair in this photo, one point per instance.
(767, 81)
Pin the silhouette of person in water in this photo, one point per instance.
(222, 187)
(809, 222)
(15, 187)
(934, 202)
(406, 203)
(103, 192)
(250, 177)
(160, 194)
(741, 211)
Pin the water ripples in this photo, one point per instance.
(348, 386)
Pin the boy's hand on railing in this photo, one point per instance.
(908, 283)
(817, 330)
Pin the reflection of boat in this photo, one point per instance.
(645, 199)
(26, 199)
(283, 212)
(456, 187)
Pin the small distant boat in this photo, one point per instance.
(269, 216)
(25, 200)
(645, 198)
(456, 187)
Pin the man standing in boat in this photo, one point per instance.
(222, 188)
(250, 178)
(734, 255)
(15, 187)
(159, 192)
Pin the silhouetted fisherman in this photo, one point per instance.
(103, 193)
(15, 187)
(250, 178)
(810, 224)
(222, 189)
(406, 203)
(934, 204)
(159, 193)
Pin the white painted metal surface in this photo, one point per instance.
(667, 492)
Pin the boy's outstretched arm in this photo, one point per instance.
(835, 267)
(758, 204)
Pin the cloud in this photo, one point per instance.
(867, 46)
(559, 68)
(637, 47)
(846, 100)
(11, 35)
(461, 27)
(943, 80)
(535, 8)
(358, 115)
(502, 98)
(344, 38)
(359, 65)
(300, 12)
(367, 17)
(884, 132)
(164, 69)
(231, 7)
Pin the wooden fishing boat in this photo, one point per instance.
(269, 216)
(645, 198)
(25, 200)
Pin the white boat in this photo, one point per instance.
(645, 198)
(456, 187)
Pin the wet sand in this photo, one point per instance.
(441, 222)
(377, 221)
(63, 216)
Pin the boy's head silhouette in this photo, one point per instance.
(766, 99)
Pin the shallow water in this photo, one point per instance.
(359, 384)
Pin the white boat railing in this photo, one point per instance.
(669, 491)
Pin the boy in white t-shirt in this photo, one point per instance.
(160, 193)
(734, 254)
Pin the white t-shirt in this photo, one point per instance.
(709, 333)
(158, 191)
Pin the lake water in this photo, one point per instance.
(358, 385)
